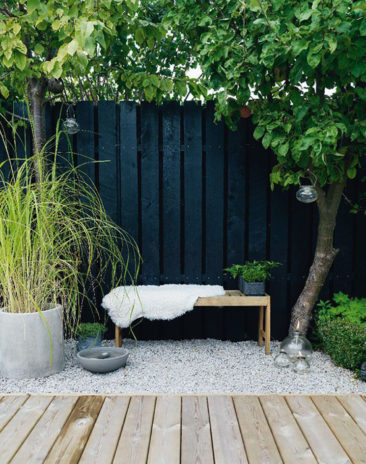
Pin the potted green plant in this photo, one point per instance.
(51, 233)
(89, 335)
(252, 275)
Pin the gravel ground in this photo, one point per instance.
(193, 367)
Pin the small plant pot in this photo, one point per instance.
(85, 343)
(251, 288)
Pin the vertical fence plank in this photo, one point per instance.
(150, 193)
(193, 192)
(65, 159)
(300, 244)
(129, 168)
(343, 240)
(107, 152)
(257, 199)
(215, 172)
(171, 194)
(215, 159)
(236, 210)
(279, 217)
(193, 207)
(85, 141)
(23, 142)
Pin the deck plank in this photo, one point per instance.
(103, 439)
(75, 433)
(290, 441)
(227, 442)
(166, 429)
(16, 431)
(9, 405)
(356, 408)
(323, 443)
(133, 445)
(196, 435)
(257, 436)
(41, 439)
(343, 426)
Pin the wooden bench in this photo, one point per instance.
(235, 298)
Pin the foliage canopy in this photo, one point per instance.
(302, 68)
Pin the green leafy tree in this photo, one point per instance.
(301, 68)
(92, 49)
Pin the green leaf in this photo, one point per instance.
(351, 173)
(140, 36)
(283, 149)
(3, 90)
(363, 28)
(32, 5)
(313, 59)
(258, 132)
(299, 45)
(150, 93)
(181, 87)
(303, 16)
(332, 42)
(56, 25)
(20, 60)
(267, 140)
(2, 28)
(39, 49)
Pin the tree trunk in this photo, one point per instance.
(328, 205)
(37, 99)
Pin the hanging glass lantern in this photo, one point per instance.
(282, 360)
(71, 126)
(301, 365)
(307, 194)
(295, 343)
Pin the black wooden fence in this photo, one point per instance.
(196, 197)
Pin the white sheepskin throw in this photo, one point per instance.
(165, 302)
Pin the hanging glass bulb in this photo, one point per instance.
(71, 126)
(307, 194)
(295, 343)
(301, 365)
(282, 360)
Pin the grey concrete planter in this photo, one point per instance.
(251, 288)
(25, 348)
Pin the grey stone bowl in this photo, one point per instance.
(103, 359)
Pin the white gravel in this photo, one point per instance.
(193, 367)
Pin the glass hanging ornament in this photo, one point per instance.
(295, 343)
(71, 126)
(301, 365)
(307, 194)
(282, 360)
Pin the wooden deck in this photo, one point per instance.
(116, 429)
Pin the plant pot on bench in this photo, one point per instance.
(252, 276)
(251, 288)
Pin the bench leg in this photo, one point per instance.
(260, 326)
(268, 328)
(118, 336)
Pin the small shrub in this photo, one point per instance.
(252, 271)
(90, 329)
(341, 328)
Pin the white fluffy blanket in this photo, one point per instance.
(126, 304)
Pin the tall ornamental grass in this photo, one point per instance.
(56, 241)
